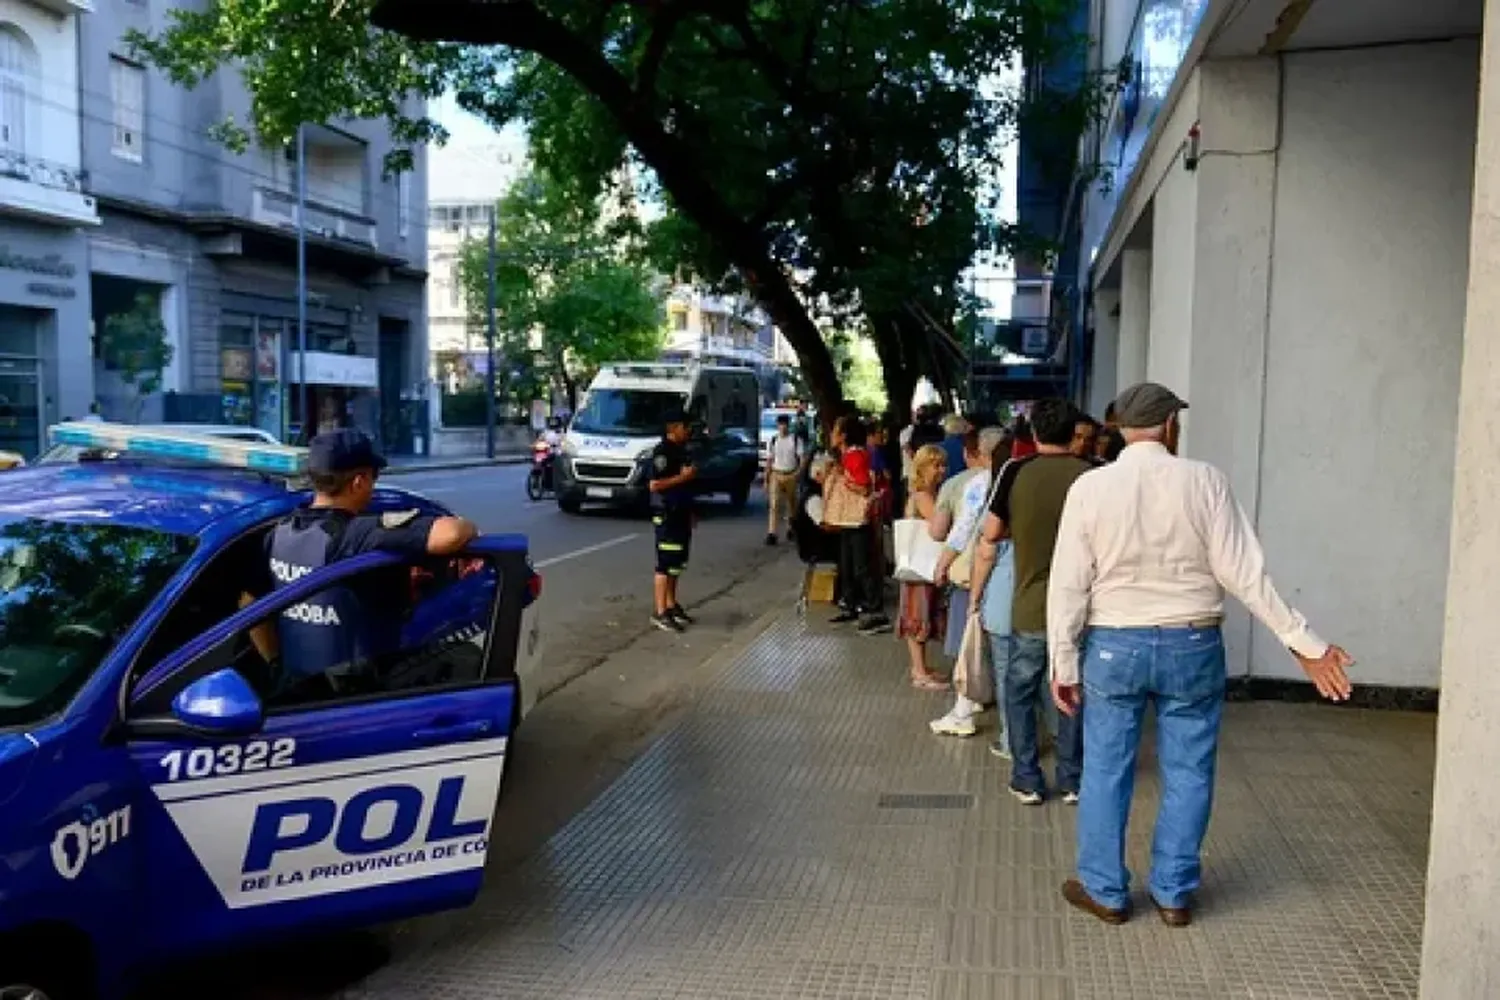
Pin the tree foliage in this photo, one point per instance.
(134, 344)
(833, 157)
(566, 287)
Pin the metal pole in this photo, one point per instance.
(489, 349)
(302, 393)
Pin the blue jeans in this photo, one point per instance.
(1025, 684)
(1181, 672)
(999, 654)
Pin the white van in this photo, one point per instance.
(606, 451)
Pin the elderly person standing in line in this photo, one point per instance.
(1146, 550)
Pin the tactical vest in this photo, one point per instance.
(329, 631)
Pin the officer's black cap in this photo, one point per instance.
(674, 416)
(342, 451)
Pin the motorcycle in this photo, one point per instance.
(539, 480)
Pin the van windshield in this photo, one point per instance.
(68, 592)
(626, 412)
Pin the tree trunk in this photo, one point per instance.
(900, 366)
(525, 27)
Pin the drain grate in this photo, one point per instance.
(904, 800)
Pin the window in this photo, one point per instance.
(18, 72)
(68, 592)
(403, 204)
(625, 411)
(392, 630)
(679, 320)
(127, 87)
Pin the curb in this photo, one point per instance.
(457, 463)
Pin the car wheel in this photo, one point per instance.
(569, 505)
(38, 984)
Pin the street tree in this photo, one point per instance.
(834, 157)
(568, 286)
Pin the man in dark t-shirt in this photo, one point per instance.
(1027, 508)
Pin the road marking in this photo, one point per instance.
(588, 550)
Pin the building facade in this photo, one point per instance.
(46, 219)
(1299, 234)
(205, 239)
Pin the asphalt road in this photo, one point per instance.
(596, 566)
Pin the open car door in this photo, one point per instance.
(270, 815)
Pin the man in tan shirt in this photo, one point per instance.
(1146, 550)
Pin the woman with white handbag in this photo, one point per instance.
(923, 615)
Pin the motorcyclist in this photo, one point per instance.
(553, 434)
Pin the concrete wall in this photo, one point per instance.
(1372, 213)
(1173, 259)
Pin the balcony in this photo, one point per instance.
(43, 191)
(274, 207)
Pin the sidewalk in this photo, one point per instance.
(408, 464)
(799, 834)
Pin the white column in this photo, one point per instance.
(1459, 957)
(1135, 316)
(1103, 365)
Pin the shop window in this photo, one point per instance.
(18, 82)
(127, 85)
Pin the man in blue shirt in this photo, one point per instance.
(954, 430)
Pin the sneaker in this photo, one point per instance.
(770, 539)
(682, 617)
(1026, 797)
(1000, 750)
(876, 625)
(1070, 798)
(666, 622)
(844, 617)
(952, 725)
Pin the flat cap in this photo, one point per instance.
(1146, 404)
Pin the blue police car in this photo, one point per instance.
(159, 799)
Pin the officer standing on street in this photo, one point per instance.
(672, 514)
(335, 633)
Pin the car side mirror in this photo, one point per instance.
(220, 704)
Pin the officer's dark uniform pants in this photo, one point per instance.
(674, 539)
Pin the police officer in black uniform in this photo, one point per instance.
(672, 513)
(328, 639)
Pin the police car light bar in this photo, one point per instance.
(276, 459)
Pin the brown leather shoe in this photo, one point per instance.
(1074, 892)
(1173, 916)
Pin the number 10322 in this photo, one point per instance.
(231, 758)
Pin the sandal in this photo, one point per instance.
(929, 682)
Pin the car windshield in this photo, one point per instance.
(68, 592)
(626, 412)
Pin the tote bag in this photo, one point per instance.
(970, 678)
(842, 506)
(917, 552)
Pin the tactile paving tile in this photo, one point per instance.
(747, 853)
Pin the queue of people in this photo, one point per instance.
(1096, 562)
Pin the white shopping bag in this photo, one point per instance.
(917, 552)
(970, 678)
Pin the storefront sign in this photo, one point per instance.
(52, 291)
(236, 364)
(51, 265)
(324, 368)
